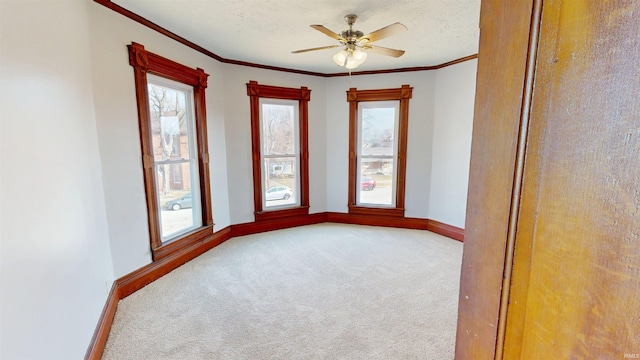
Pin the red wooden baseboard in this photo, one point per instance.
(276, 224)
(378, 220)
(437, 227)
(100, 335)
(138, 279)
(443, 229)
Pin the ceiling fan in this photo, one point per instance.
(354, 43)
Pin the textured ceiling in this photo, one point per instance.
(266, 31)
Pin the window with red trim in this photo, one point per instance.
(279, 118)
(173, 139)
(378, 121)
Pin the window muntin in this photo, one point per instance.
(280, 155)
(377, 153)
(172, 125)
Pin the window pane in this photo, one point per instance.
(378, 125)
(377, 153)
(280, 181)
(174, 145)
(169, 122)
(376, 181)
(279, 158)
(179, 207)
(278, 129)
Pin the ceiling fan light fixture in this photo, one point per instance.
(356, 58)
(340, 57)
(350, 59)
(351, 64)
(354, 42)
(359, 56)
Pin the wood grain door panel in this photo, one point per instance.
(551, 266)
(504, 38)
(576, 275)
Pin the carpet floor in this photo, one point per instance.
(325, 291)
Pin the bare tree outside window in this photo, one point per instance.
(279, 149)
(279, 132)
(279, 154)
(173, 158)
(377, 131)
(173, 144)
(168, 110)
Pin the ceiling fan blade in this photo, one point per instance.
(314, 49)
(385, 51)
(327, 32)
(385, 32)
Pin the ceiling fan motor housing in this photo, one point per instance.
(351, 35)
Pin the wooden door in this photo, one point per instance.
(569, 284)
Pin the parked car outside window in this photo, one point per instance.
(367, 183)
(179, 203)
(278, 192)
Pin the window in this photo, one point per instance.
(280, 150)
(172, 122)
(378, 122)
(377, 153)
(279, 153)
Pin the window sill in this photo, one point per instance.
(180, 243)
(276, 214)
(377, 211)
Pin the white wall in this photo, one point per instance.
(228, 130)
(116, 114)
(455, 93)
(73, 209)
(55, 261)
(421, 120)
(238, 135)
(229, 135)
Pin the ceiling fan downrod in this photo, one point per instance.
(350, 35)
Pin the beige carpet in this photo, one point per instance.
(326, 291)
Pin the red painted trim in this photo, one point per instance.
(101, 334)
(437, 227)
(378, 220)
(134, 281)
(274, 68)
(284, 213)
(443, 229)
(138, 279)
(354, 97)
(375, 211)
(407, 69)
(187, 240)
(302, 95)
(139, 19)
(144, 62)
(276, 224)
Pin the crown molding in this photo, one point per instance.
(143, 21)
